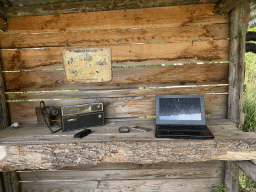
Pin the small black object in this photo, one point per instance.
(123, 129)
(83, 133)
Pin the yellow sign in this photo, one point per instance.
(87, 65)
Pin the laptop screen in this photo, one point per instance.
(180, 109)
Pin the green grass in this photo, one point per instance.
(249, 96)
(249, 109)
(246, 183)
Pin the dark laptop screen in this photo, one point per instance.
(180, 109)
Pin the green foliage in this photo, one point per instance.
(249, 97)
(245, 182)
(220, 188)
(249, 109)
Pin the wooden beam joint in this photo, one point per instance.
(225, 6)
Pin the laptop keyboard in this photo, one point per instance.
(182, 127)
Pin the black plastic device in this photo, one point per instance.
(82, 133)
(81, 116)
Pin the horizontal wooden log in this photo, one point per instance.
(248, 167)
(192, 185)
(105, 144)
(91, 6)
(199, 51)
(89, 94)
(114, 36)
(113, 107)
(131, 18)
(165, 170)
(191, 74)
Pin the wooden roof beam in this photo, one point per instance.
(225, 6)
(91, 6)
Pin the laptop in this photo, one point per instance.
(181, 117)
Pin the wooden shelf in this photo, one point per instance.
(32, 147)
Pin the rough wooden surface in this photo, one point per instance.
(114, 107)
(177, 52)
(225, 6)
(206, 185)
(231, 177)
(106, 144)
(201, 175)
(248, 167)
(114, 36)
(151, 76)
(239, 22)
(4, 114)
(131, 18)
(90, 94)
(92, 5)
(125, 171)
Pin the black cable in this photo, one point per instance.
(44, 115)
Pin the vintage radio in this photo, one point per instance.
(81, 116)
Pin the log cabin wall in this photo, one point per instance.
(173, 50)
(155, 51)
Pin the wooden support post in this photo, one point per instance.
(231, 177)
(238, 26)
(248, 167)
(9, 181)
(3, 25)
(4, 116)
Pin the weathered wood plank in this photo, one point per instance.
(231, 177)
(114, 36)
(113, 107)
(4, 114)
(104, 145)
(116, 93)
(92, 5)
(192, 74)
(3, 25)
(131, 18)
(248, 167)
(31, 134)
(145, 174)
(174, 185)
(132, 166)
(199, 51)
(239, 23)
(225, 6)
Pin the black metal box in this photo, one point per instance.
(81, 116)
